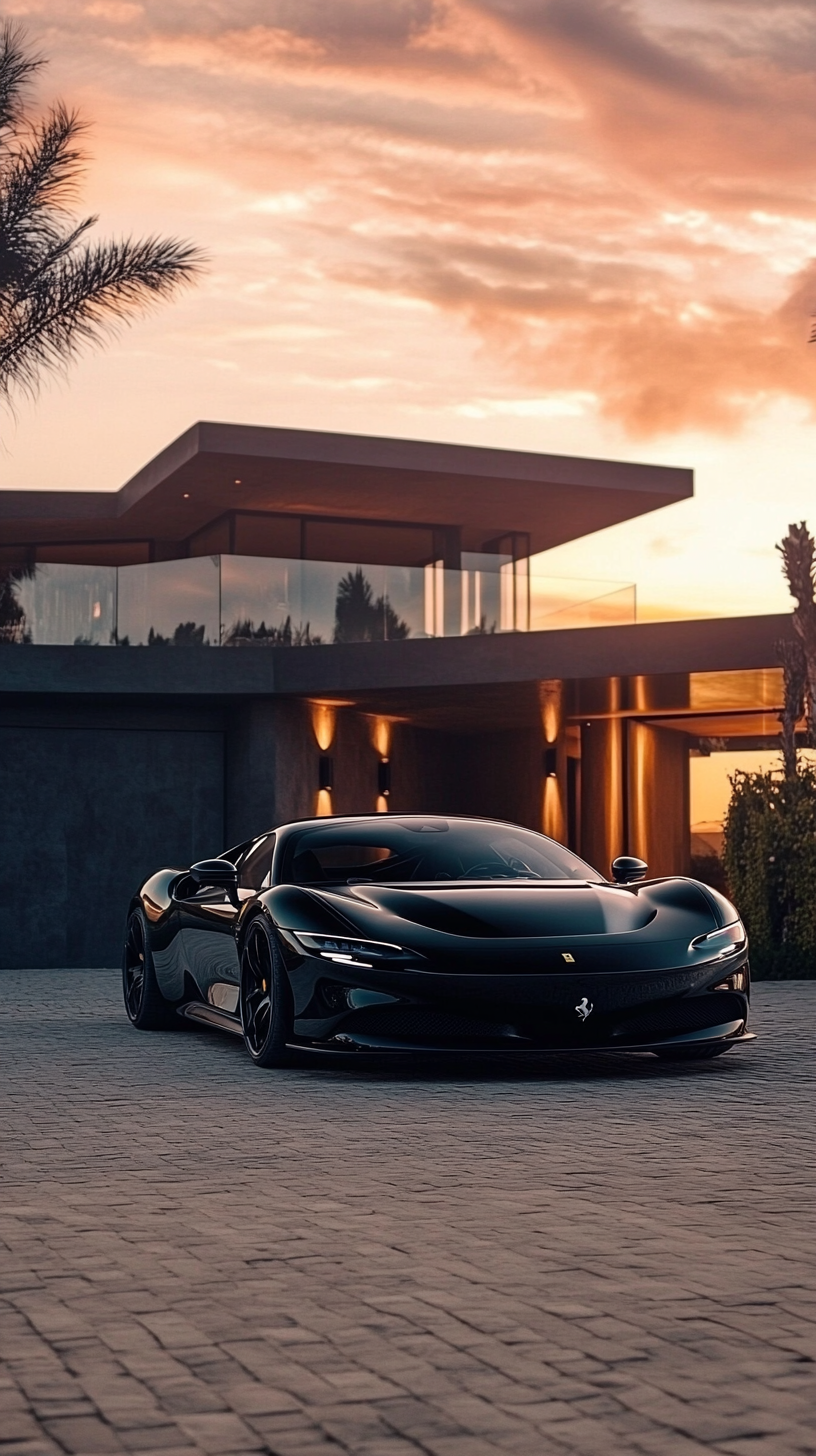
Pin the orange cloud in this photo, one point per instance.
(615, 197)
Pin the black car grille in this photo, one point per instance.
(553, 1026)
(423, 1024)
(674, 1018)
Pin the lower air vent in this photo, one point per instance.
(422, 1024)
(674, 1018)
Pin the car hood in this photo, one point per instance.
(549, 911)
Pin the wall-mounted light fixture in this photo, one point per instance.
(325, 772)
(384, 777)
(324, 722)
(550, 763)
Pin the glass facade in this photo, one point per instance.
(61, 605)
(169, 603)
(239, 601)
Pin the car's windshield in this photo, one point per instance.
(389, 851)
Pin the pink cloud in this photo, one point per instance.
(614, 198)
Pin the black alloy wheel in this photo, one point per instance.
(144, 1003)
(266, 1015)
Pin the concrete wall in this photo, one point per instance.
(273, 757)
(96, 794)
(498, 775)
(87, 812)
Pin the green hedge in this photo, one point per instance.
(770, 862)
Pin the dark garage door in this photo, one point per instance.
(85, 814)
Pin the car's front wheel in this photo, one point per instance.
(144, 1003)
(265, 1000)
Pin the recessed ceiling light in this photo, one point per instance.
(186, 495)
(238, 482)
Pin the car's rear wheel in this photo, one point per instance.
(266, 1015)
(144, 1003)
(692, 1053)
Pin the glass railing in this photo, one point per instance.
(243, 601)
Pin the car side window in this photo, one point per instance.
(256, 863)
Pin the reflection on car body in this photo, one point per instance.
(413, 933)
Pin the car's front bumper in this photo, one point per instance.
(360, 1045)
(340, 1009)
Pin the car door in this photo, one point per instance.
(209, 921)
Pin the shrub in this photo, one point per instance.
(244, 633)
(770, 861)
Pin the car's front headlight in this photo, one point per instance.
(718, 945)
(367, 953)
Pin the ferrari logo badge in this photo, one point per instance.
(570, 959)
(584, 1008)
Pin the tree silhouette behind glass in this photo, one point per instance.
(13, 625)
(358, 617)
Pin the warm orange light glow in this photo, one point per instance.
(324, 722)
(642, 764)
(553, 819)
(382, 804)
(640, 694)
(323, 806)
(550, 697)
(552, 813)
(602, 781)
(381, 734)
(614, 784)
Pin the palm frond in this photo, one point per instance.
(798, 564)
(40, 171)
(85, 295)
(58, 292)
(17, 65)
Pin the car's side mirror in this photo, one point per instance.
(216, 874)
(626, 869)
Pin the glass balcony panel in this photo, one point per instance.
(341, 598)
(558, 603)
(371, 603)
(434, 599)
(67, 606)
(405, 595)
(483, 599)
(262, 602)
(169, 603)
(489, 561)
(272, 601)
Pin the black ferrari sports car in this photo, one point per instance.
(411, 933)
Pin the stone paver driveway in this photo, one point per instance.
(595, 1256)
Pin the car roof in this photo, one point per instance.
(327, 821)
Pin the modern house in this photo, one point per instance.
(265, 624)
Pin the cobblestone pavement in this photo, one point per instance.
(461, 1259)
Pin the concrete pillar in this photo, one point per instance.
(603, 828)
(658, 798)
(271, 766)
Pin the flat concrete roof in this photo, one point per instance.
(213, 468)
(425, 680)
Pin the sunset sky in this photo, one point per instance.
(581, 226)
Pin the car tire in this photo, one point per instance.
(692, 1053)
(146, 1007)
(265, 998)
